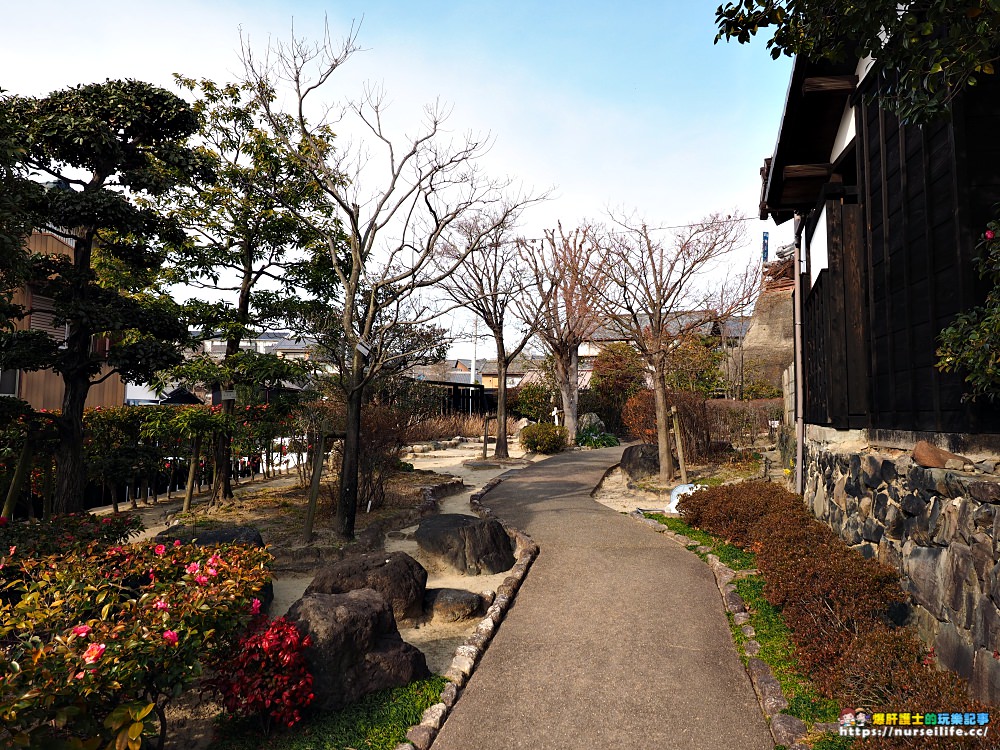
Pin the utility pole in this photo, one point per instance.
(472, 374)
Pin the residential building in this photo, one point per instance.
(43, 389)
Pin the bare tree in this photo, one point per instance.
(492, 284)
(572, 269)
(389, 204)
(661, 294)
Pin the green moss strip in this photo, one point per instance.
(776, 647)
(729, 555)
(377, 722)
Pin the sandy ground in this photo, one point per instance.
(614, 493)
(437, 640)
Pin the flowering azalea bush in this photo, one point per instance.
(971, 344)
(75, 530)
(97, 639)
(267, 676)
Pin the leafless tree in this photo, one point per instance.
(659, 294)
(572, 268)
(389, 204)
(492, 284)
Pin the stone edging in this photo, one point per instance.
(422, 736)
(785, 729)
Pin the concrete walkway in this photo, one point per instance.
(617, 638)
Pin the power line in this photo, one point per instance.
(660, 229)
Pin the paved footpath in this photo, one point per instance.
(617, 637)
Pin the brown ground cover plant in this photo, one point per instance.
(844, 611)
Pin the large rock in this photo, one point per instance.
(452, 605)
(931, 457)
(640, 462)
(356, 648)
(399, 578)
(209, 535)
(590, 422)
(470, 545)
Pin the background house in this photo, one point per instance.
(43, 389)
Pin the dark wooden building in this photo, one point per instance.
(888, 215)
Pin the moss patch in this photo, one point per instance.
(377, 722)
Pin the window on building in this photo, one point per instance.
(43, 318)
(8, 383)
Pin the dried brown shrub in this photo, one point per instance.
(838, 605)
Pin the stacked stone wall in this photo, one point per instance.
(939, 528)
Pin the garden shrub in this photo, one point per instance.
(595, 439)
(532, 401)
(266, 677)
(95, 640)
(842, 610)
(544, 438)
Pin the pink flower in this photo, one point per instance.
(170, 637)
(177, 542)
(214, 560)
(989, 234)
(12, 551)
(93, 652)
(201, 580)
(160, 604)
(81, 630)
(255, 607)
(193, 568)
(212, 571)
(4, 521)
(160, 549)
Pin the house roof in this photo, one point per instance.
(794, 175)
(519, 366)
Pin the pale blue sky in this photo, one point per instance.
(620, 105)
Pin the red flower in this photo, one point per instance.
(170, 637)
(81, 630)
(989, 234)
(160, 549)
(255, 607)
(93, 652)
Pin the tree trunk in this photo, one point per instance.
(192, 471)
(500, 451)
(567, 366)
(22, 470)
(222, 486)
(317, 474)
(663, 424)
(71, 472)
(347, 505)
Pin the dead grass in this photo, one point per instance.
(279, 513)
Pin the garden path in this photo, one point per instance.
(617, 638)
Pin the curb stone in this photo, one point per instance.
(786, 730)
(467, 656)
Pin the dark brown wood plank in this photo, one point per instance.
(820, 84)
(804, 171)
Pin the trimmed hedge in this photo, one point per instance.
(844, 611)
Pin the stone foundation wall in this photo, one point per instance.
(939, 528)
